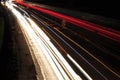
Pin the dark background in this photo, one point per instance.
(106, 8)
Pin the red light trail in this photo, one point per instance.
(106, 32)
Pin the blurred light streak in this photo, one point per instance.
(79, 67)
(51, 49)
(41, 44)
(106, 32)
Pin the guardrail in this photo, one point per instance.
(106, 32)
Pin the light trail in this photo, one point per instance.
(83, 24)
(52, 49)
(50, 59)
(72, 48)
(79, 67)
(89, 54)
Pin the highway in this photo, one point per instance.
(64, 51)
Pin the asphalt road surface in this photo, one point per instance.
(66, 51)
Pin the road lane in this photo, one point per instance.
(94, 57)
(39, 42)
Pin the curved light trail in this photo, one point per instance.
(106, 32)
(52, 64)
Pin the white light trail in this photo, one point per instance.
(79, 67)
(50, 59)
(54, 51)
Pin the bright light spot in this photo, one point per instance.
(2, 2)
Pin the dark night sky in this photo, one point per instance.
(107, 8)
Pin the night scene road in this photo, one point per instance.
(62, 46)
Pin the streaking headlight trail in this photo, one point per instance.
(52, 64)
